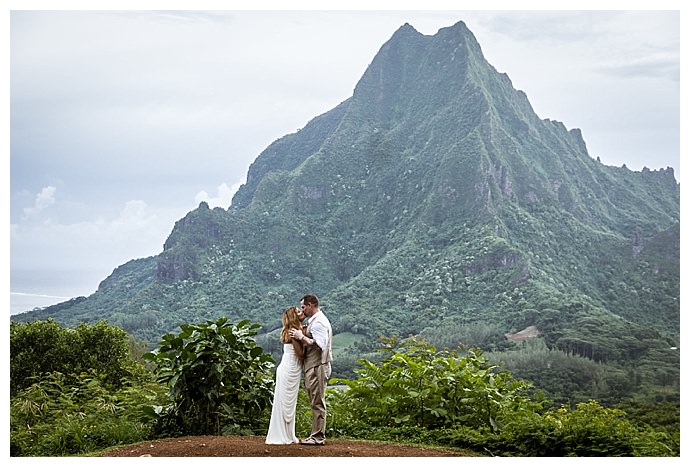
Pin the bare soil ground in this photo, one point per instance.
(254, 446)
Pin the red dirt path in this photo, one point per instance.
(254, 446)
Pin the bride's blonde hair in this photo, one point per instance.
(290, 321)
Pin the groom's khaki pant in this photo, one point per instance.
(315, 380)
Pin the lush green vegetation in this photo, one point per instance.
(75, 391)
(420, 394)
(219, 381)
(212, 378)
(99, 350)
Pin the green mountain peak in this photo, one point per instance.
(433, 201)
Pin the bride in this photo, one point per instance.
(281, 428)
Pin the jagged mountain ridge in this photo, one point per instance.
(390, 127)
(432, 199)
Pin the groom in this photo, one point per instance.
(316, 364)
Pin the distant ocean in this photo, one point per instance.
(30, 289)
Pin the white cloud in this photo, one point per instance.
(223, 196)
(102, 242)
(134, 213)
(45, 198)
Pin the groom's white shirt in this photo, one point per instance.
(320, 329)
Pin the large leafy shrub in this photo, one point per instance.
(41, 347)
(219, 381)
(420, 394)
(418, 385)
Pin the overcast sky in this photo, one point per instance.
(121, 122)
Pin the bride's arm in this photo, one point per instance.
(299, 348)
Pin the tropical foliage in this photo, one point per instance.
(414, 394)
(219, 380)
(76, 390)
(420, 386)
(418, 393)
(40, 348)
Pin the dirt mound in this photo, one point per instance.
(255, 446)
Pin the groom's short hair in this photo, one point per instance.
(310, 299)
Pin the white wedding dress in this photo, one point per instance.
(281, 428)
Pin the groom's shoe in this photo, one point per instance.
(312, 442)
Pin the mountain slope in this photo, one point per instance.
(432, 201)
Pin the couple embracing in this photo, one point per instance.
(307, 352)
